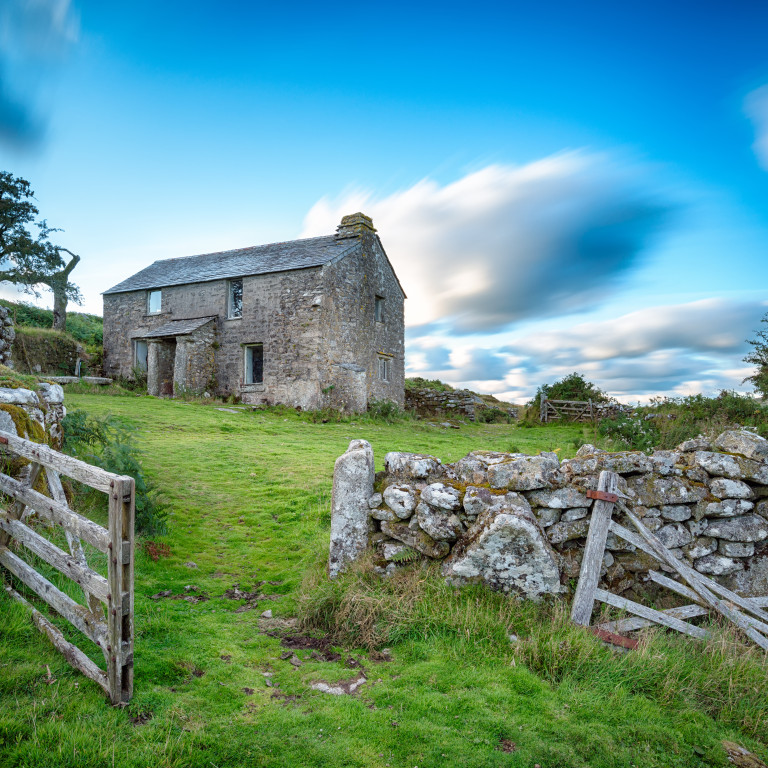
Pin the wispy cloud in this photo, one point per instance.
(34, 35)
(664, 350)
(756, 107)
(506, 243)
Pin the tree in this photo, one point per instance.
(759, 357)
(33, 260)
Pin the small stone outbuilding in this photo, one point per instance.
(311, 323)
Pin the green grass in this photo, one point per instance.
(249, 494)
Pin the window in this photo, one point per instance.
(384, 368)
(140, 354)
(235, 300)
(254, 364)
(378, 309)
(154, 302)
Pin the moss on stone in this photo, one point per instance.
(25, 425)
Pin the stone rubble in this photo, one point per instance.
(518, 523)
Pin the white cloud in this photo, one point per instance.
(506, 242)
(664, 350)
(756, 107)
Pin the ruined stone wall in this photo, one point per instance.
(7, 336)
(519, 523)
(460, 403)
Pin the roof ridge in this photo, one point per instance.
(245, 248)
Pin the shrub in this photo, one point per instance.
(631, 431)
(416, 382)
(107, 444)
(386, 411)
(571, 387)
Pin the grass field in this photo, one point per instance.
(249, 497)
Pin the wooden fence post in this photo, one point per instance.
(594, 551)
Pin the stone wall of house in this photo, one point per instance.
(519, 523)
(317, 326)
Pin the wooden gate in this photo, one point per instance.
(569, 410)
(110, 629)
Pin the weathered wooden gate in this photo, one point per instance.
(110, 629)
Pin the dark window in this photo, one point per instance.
(378, 309)
(254, 364)
(154, 302)
(235, 302)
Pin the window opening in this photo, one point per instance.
(254, 364)
(384, 368)
(235, 308)
(154, 302)
(378, 309)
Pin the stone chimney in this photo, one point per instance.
(354, 225)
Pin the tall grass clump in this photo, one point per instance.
(723, 677)
(106, 443)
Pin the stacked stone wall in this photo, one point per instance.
(519, 523)
(460, 403)
(33, 414)
(7, 336)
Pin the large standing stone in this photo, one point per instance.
(507, 550)
(352, 487)
(744, 528)
(526, 473)
(743, 442)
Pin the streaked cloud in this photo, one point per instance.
(510, 242)
(665, 350)
(756, 107)
(34, 35)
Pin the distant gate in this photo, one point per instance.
(570, 410)
(111, 631)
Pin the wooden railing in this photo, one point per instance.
(111, 629)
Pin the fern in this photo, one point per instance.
(407, 555)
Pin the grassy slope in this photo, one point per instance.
(250, 498)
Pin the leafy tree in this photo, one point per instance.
(571, 387)
(759, 357)
(31, 259)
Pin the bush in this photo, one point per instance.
(107, 444)
(571, 387)
(417, 382)
(489, 414)
(631, 431)
(386, 411)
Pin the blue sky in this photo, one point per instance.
(560, 186)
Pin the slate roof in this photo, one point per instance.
(256, 260)
(177, 328)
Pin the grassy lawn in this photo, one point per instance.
(249, 496)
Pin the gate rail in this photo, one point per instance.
(111, 629)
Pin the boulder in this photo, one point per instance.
(674, 535)
(724, 508)
(699, 443)
(440, 524)
(701, 546)
(353, 475)
(562, 532)
(677, 513)
(744, 528)
(562, 498)
(442, 496)
(401, 499)
(654, 491)
(414, 466)
(416, 538)
(725, 488)
(733, 467)
(743, 442)
(473, 468)
(718, 565)
(507, 550)
(526, 473)
(736, 548)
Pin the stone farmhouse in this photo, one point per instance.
(309, 323)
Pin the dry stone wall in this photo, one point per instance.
(7, 335)
(34, 415)
(518, 523)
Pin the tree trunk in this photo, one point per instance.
(59, 306)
